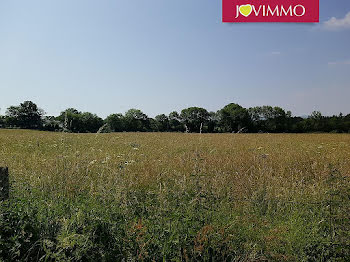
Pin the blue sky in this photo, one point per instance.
(108, 56)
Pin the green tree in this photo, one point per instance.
(233, 118)
(26, 115)
(50, 123)
(162, 123)
(212, 125)
(317, 122)
(194, 118)
(70, 119)
(90, 122)
(175, 123)
(116, 122)
(136, 120)
(2, 122)
(75, 121)
(270, 119)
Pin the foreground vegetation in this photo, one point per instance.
(175, 197)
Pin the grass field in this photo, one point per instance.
(175, 197)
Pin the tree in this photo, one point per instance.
(233, 118)
(90, 122)
(213, 123)
(2, 121)
(136, 120)
(162, 123)
(50, 123)
(317, 122)
(270, 119)
(175, 123)
(70, 120)
(346, 124)
(78, 122)
(194, 118)
(316, 115)
(26, 115)
(116, 122)
(153, 125)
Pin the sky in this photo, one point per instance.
(107, 56)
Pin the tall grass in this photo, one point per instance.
(175, 197)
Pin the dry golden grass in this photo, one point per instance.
(289, 166)
(178, 197)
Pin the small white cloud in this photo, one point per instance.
(334, 63)
(338, 24)
(276, 53)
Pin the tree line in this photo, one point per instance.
(231, 118)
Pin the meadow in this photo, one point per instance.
(175, 197)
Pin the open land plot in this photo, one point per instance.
(174, 196)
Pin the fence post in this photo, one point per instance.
(4, 183)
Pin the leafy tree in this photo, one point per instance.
(153, 125)
(70, 120)
(50, 123)
(270, 119)
(2, 121)
(136, 120)
(316, 122)
(295, 124)
(90, 122)
(317, 115)
(162, 123)
(175, 123)
(346, 124)
(213, 124)
(26, 115)
(194, 118)
(78, 122)
(233, 118)
(116, 122)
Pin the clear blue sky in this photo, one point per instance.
(158, 55)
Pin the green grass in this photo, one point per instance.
(175, 197)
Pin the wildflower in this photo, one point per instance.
(92, 162)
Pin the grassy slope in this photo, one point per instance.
(154, 196)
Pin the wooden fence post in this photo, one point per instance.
(4, 183)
